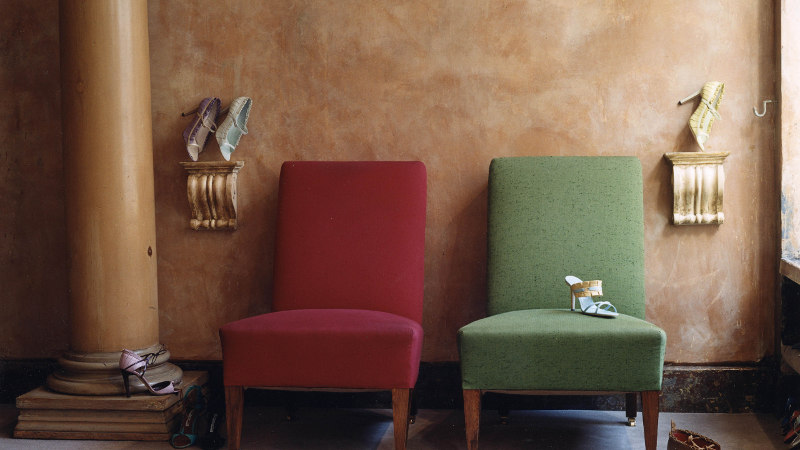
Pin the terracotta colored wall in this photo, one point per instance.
(33, 276)
(454, 84)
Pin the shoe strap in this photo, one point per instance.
(208, 123)
(150, 358)
(589, 288)
(604, 305)
(134, 367)
(142, 361)
(711, 108)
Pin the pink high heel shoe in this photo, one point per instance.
(132, 364)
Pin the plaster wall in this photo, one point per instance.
(451, 83)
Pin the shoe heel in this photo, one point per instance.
(126, 382)
(570, 281)
(680, 102)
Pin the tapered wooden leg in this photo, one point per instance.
(400, 407)
(412, 418)
(503, 412)
(650, 418)
(234, 406)
(630, 408)
(472, 416)
(288, 401)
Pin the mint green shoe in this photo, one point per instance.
(234, 126)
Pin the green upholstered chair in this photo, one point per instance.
(550, 217)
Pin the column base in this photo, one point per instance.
(99, 374)
(44, 414)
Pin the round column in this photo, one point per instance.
(110, 205)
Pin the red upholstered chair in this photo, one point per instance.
(348, 288)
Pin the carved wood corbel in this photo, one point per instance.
(211, 189)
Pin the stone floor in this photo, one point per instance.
(264, 428)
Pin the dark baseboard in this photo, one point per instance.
(719, 389)
(18, 376)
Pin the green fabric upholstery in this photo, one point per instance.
(556, 349)
(550, 217)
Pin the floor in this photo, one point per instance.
(264, 428)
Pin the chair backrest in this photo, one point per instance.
(553, 216)
(351, 235)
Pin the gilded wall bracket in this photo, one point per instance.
(211, 189)
(698, 180)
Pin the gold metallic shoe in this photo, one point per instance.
(703, 117)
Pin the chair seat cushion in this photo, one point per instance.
(325, 348)
(561, 350)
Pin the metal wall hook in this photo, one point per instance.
(763, 108)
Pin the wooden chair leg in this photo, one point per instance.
(630, 408)
(234, 406)
(472, 416)
(503, 412)
(650, 418)
(400, 408)
(288, 402)
(413, 409)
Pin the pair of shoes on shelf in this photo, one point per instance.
(229, 132)
(584, 291)
(194, 406)
(131, 363)
(703, 117)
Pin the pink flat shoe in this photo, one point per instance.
(132, 364)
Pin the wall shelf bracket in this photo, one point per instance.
(211, 188)
(698, 180)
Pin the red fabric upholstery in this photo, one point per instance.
(351, 235)
(348, 282)
(340, 348)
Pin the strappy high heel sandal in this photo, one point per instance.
(197, 134)
(194, 405)
(703, 117)
(234, 126)
(132, 364)
(584, 291)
